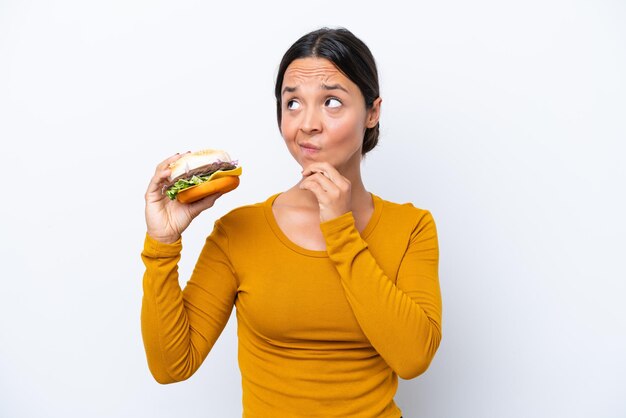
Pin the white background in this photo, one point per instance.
(505, 119)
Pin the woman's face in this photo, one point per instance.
(324, 115)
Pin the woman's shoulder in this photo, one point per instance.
(403, 210)
(249, 214)
(413, 220)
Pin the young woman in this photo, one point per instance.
(336, 289)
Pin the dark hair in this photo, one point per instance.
(350, 55)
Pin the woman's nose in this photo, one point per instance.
(311, 122)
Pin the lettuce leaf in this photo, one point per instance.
(183, 184)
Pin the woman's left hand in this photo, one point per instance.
(332, 190)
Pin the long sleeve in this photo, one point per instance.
(401, 319)
(180, 327)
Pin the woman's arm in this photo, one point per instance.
(179, 328)
(402, 320)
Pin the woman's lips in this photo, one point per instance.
(309, 148)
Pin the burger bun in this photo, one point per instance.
(193, 160)
(219, 185)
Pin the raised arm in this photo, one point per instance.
(180, 327)
(402, 320)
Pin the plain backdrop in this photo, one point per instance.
(505, 119)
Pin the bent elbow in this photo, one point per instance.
(414, 369)
(172, 371)
(418, 364)
(163, 377)
(166, 379)
(163, 380)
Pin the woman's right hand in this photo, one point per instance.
(167, 219)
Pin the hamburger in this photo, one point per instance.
(200, 174)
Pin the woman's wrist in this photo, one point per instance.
(166, 239)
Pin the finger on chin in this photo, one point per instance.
(320, 166)
(313, 187)
(322, 179)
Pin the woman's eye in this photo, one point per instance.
(292, 105)
(333, 102)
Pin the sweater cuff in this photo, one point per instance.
(342, 237)
(157, 249)
(339, 230)
(337, 224)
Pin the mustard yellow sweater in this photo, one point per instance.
(321, 333)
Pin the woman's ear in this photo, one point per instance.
(373, 113)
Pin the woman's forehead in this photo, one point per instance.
(312, 68)
(316, 71)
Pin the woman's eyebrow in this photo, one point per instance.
(334, 87)
(288, 89)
